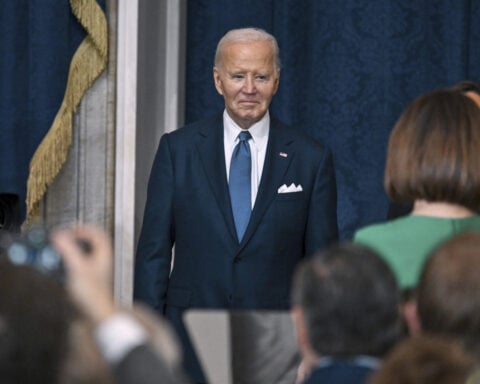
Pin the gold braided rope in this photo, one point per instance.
(89, 60)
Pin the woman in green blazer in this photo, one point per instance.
(433, 160)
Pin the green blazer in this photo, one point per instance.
(406, 243)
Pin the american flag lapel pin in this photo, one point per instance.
(283, 154)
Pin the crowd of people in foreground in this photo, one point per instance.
(244, 198)
(433, 254)
(70, 331)
(400, 304)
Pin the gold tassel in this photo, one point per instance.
(87, 63)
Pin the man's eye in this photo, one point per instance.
(237, 77)
(261, 77)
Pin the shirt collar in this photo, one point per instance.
(359, 360)
(259, 130)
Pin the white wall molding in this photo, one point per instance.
(126, 110)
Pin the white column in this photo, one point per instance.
(126, 107)
(150, 102)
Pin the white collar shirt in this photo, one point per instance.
(258, 146)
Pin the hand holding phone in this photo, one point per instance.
(87, 255)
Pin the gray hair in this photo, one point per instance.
(247, 35)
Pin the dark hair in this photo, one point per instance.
(433, 151)
(424, 359)
(350, 300)
(466, 86)
(448, 295)
(35, 313)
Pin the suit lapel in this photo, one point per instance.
(278, 157)
(211, 149)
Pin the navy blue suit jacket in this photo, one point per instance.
(340, 372)
(188, 204)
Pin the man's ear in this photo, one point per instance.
(217, 80)
(410, 314)
(277, 82)
(300, 326)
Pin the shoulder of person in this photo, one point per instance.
(376, 230)
(191, 129)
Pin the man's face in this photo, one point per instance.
(247, 80)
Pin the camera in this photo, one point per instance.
(33, 248)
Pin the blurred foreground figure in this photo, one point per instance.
(346, 314)
(448, 295)
(43, 338)
(427, 360)
(74, 333)
(139, 347)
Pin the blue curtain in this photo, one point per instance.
(37, 41)
(349, 69)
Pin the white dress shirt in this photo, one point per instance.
(258, 146)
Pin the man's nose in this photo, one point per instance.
(249, 85)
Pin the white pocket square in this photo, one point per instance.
(291, 188)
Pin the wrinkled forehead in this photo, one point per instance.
(258, 53)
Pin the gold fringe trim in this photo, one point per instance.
(87, 63)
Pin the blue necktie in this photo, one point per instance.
(239, 183)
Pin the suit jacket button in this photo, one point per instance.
(230, 298)
(237, 259)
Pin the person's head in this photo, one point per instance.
(448, 295)
(423, 359)
(43, 336)
(35, 314)
(433, 151)
(247, 73)
(345, 303)
(470, 89)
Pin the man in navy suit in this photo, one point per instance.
(291, 202)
